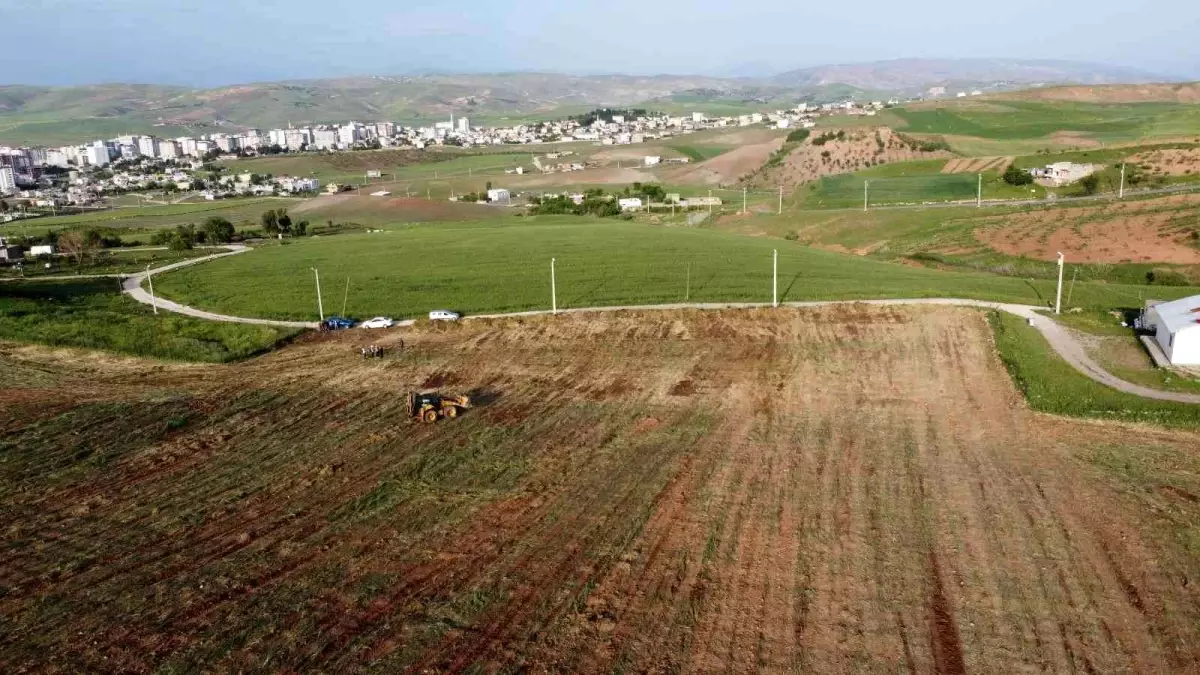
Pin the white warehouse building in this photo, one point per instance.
(1176, 326)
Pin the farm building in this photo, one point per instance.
(10, 253)
(499, 195)
(630, 203)
(1176, 327)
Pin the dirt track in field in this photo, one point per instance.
(849, 489)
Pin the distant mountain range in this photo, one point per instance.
(54, 115)
(918, 75)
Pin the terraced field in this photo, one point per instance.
(842, 490)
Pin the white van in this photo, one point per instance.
(443, 315)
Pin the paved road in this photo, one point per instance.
(133, 286)
(1061, 339)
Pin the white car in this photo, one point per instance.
(443, 315)
(377, 322)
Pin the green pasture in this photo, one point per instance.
(505, 266)
(1024, 120)
(94, 314)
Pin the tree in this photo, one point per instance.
(284, 220)
(3, 206)
(1015, 176)
(218, 230)
(75, 245)
(300, 229)
(1090, 184)
(270, 223)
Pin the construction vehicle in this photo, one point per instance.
(429, 407)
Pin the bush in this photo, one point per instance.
(1090, 184)
(1015, 176)
(1167, 277)
(798, 136)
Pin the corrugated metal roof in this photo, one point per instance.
(1180, 314)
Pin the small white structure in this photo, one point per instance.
(652, 160)
(1176, 327)
(35, 251)
(499, 195)
(630, 203)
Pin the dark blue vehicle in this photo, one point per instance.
(336, 323)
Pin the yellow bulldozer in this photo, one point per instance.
(429, 407)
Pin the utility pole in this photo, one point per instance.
(1121, 193)
(553, 290)
(320, 305)
(687, 290)
(866, 187)
(979, 194)
(775, 279)
(150, 278)
(743, 201)
(1058, 297)
(781, 200)
(345, 297)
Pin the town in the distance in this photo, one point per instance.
(50, 178)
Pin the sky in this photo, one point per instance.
(217, 42)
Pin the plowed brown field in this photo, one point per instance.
(843, 490)
(1157, 230)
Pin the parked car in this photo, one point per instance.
(337, 323)
(443, 315)
(377, 322)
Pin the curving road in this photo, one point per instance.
(1067, 345)
(132, 285)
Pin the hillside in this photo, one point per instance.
(1120, 93)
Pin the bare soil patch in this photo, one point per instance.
(854, 485)
(1155, 230)
(977, 164)
(725, 169)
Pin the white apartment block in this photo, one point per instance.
(295, 139)
(325, 139)
(227, 143)
(168, 149)
(8, 181)
(347, 135)
(96, 154)
(148, 145)
(464, 125)
(277, 137)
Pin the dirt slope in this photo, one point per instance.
(703, 492)
(858, 149)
